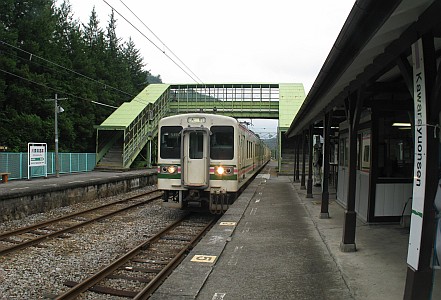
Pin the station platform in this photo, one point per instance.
(19, 198)
(271, 244)
(37, 184)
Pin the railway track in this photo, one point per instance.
(140, 271)
(15, 240)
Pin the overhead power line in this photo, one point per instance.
(63, 67)
(56, 90)
(165, 46)
(32, 56)
(154, 44)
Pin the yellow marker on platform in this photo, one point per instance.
(204, 258)
(227, 223)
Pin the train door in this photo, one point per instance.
(195, 157)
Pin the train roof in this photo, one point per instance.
(201, 115)
(219, 117)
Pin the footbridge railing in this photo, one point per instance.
(134, 125)
(136, 122)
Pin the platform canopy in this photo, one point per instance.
(367, 53)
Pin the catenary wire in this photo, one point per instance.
(152, 42)
(75, 72)
(67, 69)
(56, 90)
(161, 41)
(40, 65)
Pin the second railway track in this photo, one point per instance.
(35, 234)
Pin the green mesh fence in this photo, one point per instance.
(17, 164)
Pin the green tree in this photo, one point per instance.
(135, 65)
(24, 26)
(43, 51)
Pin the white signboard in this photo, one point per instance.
(37, 156)
(420, 160)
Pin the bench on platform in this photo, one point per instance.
(5, 176)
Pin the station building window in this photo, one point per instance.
(344, 152)
(395, 145)
(364, 151)
(366, 154)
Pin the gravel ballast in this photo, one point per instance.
(40, 272)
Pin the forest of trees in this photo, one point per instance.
(45, 50)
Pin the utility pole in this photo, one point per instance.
(58, 109)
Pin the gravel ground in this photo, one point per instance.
(39, 272)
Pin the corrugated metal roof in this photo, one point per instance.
(128, 111)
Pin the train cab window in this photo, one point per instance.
(222, 142)
(170, 142)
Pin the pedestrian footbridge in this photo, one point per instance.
(134, 125)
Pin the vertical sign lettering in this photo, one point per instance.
(419, 180)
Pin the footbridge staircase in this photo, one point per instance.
(133, 127)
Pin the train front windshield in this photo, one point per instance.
(222, 142)
(171, 142)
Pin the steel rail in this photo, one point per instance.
(45, 223)
(146, 292)
(22, 245)
(103, 273)
(90, 282)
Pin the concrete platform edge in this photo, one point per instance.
(188, 279)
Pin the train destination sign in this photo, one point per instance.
(196, 120)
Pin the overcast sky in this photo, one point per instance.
(229, 41)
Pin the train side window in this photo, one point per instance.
(222, 142)
(170, 142)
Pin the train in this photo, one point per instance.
(204, 160)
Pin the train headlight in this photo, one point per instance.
(220, 170)
(169, 169)
(172, 169)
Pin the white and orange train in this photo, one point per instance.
(205, 159)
